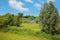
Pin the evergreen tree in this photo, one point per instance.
(49, 18)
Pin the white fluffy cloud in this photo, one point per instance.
(30, 1)
(17, 5)
(50, 0)
(37, 5)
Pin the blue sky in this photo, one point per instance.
(27, 7)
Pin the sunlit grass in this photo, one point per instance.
(28, 31)
(10, 36)
(22, 32)
(32, 26)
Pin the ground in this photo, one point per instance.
(22, 36)
(27, 31)
(11, 36)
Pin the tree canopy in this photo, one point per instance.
(49, 18)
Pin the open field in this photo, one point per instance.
(28, 31)
(10, 36)
(32, 26)
(22, 35)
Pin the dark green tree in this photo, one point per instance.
(2, 22)
(12, 20)
(9, 19)
(19, 19)
(49, 18)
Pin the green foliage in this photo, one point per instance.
(49, 18)
(19, 19)
(2, 22)
(10, 20)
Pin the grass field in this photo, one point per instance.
(28, 31)
(32, 26)
(22, 35)
(11, 36)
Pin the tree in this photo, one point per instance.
(49, 18)
(12, 20)
(9, 19)
(19, 19)
(2, 22)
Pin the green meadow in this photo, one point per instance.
(27, 31)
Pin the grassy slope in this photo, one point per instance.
(28, 31)
(31, 26)
(11, 36)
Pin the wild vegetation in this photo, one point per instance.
(19, 27)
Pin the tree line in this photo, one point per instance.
(10, 20)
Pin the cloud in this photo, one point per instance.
(30, 1)
(50, 0)
(17, 5)
(37, 5)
